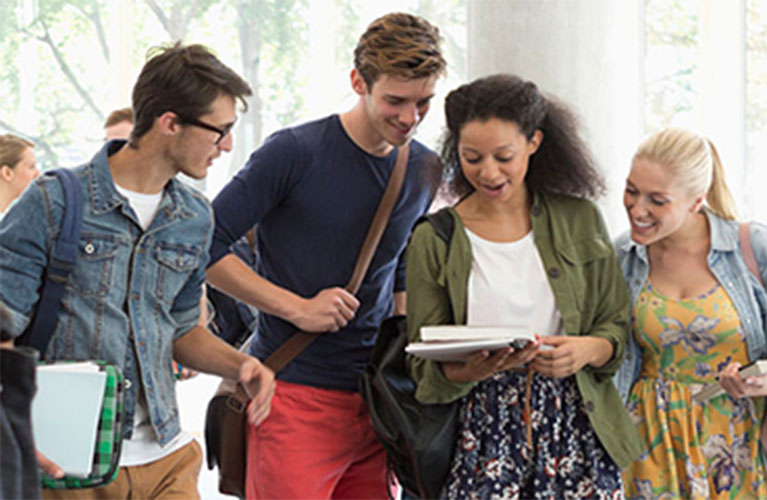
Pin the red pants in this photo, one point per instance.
(316, 443)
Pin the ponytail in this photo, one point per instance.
(719, 198)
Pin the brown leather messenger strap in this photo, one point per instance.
(298, 342)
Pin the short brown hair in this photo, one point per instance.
(401, 45)
(185, 80)
(119, 116)
(11, 147)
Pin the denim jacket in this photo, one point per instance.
(726, 263)
(131, 292)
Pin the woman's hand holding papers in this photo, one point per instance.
(482, 365)
(739, 387)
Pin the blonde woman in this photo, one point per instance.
(17, 168)
(697, 314)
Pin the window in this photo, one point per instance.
(705, 69)
(69, 63)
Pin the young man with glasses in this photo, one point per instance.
(313, 190)
(133, 296)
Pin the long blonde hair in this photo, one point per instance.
(694, 162)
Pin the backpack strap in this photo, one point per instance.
(60, 263)
(443, 224)
(744, 235)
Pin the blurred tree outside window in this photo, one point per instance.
(705, 68)
(67, 63)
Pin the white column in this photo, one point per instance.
(721, 81)
(324, 82)
(126, 39)
(587, 53)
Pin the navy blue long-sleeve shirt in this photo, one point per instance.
(314, 192)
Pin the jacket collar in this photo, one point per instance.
(105, 197)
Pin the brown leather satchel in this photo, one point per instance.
(225, 421)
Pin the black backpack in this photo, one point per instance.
(418, 438)
(232, 320)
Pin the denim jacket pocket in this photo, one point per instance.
(176, 263)
(95, 265)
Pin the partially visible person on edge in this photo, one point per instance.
(17, 168)
(19, 475)
(118, 124)
(313, 190)
(698, 315)
(528, 251)
(134, 293)
(19, 472)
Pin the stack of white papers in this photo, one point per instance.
(66, 412)
(455, 342)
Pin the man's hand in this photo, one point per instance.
(738, 387)
(186, 373)
(49, 467)
(258, 381)
(570, 354)
(482, 365)
(328, 311)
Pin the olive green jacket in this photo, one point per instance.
(590, 293)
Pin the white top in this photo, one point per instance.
(145, 205)
(508, 286)
(143, 447)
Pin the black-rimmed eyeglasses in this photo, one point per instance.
(222, 132)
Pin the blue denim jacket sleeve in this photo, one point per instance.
(635, 269)
(758, 236)
(25, 241)
(759, 244)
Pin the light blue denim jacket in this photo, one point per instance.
(131, 293)
(726, 263)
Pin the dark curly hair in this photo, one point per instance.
(562, 164)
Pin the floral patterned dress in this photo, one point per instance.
(695, 450)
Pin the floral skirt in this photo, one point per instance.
(492, 458)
